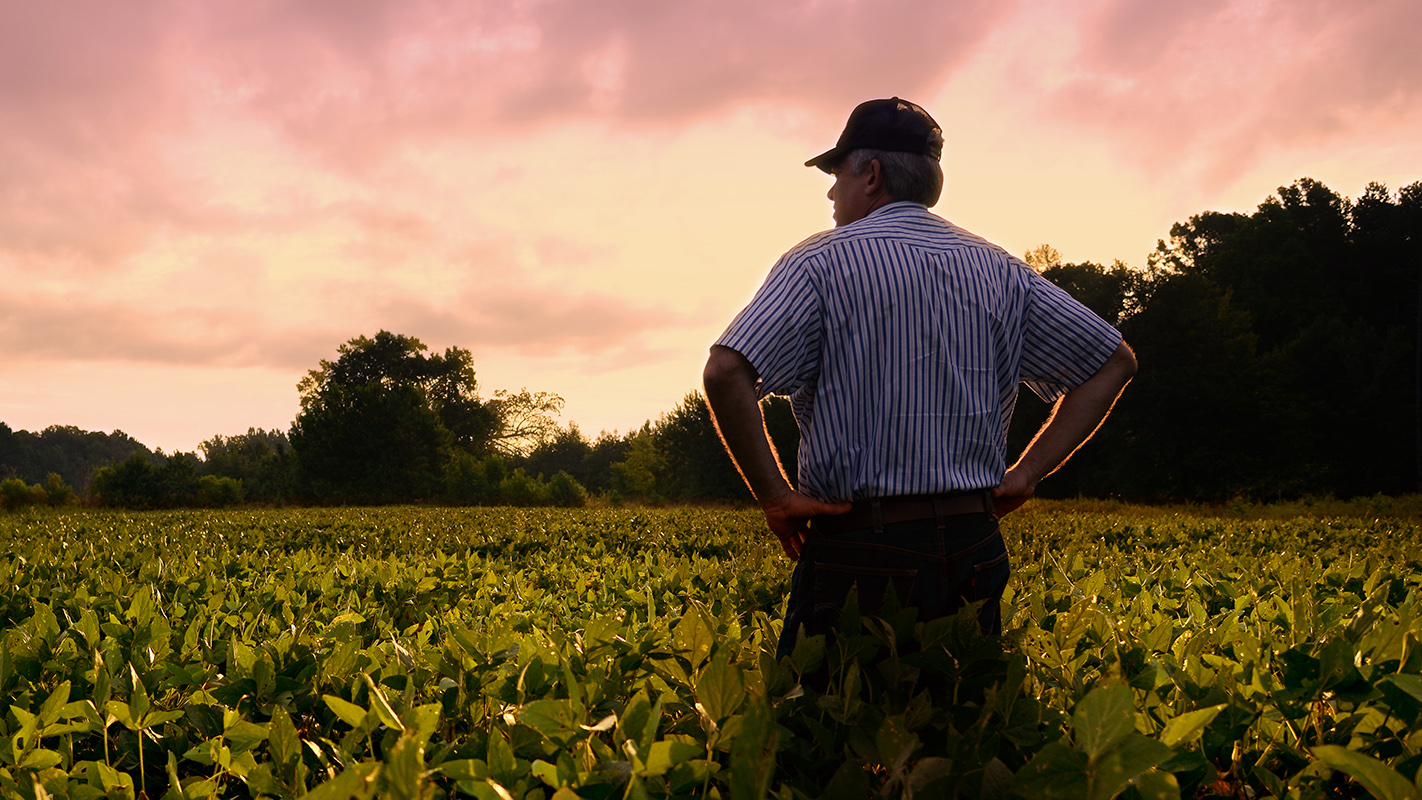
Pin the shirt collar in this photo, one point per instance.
(899, 205)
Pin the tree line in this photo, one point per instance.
(1278, 350)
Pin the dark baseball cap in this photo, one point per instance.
(895, 125)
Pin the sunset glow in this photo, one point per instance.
(198, 202)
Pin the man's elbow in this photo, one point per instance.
(726, 368)
(1123, 362)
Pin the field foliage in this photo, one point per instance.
(497, 653)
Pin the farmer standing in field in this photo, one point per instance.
(900, 340)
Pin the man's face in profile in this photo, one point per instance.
(851, 202)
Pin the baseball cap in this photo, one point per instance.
(895, 125)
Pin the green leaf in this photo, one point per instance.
(809, 654)
(694, 635)
(666, 754)
(895, 743)
(138, 700)
(1184, 727)
(175, 785)
(850, 782)
(424, 720)
(552, 718)
(381, 706)
(1411, 684)
(402, 776)
(348, 784)
(547, 773)
(933, 768)
(242, 735)
(500, 758)
(466, 769)
(1378, 778)
(102, 688)
(1057, 772)
(40, 759)
(113, 779)
(156, 718)
(52, 708)
(1103, 719)
(1120, 765)
(263, 781)
(88, 625)
(120, 711)
(721, 688)
(346, 711)
(282, 739)
(204, 752)
(1157, 785)
(753, 753)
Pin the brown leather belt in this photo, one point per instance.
(877, 512)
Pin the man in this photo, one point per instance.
(901, 340)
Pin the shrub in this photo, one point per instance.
(217, 492)
(15, 494)
(521, 489)
(127, 484)
(565, 491)
(56, 491)
(465, 480)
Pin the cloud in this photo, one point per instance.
(525, 319)
(101, 103)
(1219, 83)
(350, 79)
(530, 320)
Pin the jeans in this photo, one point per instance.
(937, 571)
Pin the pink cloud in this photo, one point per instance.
(94, 95)
(1224, 81)
(523, 318)
(351, 79)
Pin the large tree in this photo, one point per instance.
(377, 425)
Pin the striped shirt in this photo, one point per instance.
(900, 340)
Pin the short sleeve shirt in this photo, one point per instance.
(900, 340)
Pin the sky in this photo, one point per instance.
(201, 201)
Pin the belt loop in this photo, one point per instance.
(878, 511)
(988, 505)
(938, 512)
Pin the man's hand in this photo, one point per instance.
(1015, 489)
(1075, 417)
(788, 516)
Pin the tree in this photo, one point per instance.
(566, 452)
(370, 428)
(1043, 257)
(1112, 293)
(524, 420)
(72, 453)
(259, 459)
(697, 466)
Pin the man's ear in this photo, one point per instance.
(875, 181)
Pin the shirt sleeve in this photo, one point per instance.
(1063, 341)
(780, 332)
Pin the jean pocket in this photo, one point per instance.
(833, 582)
(990, 576)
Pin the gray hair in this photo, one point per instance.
(907, 176)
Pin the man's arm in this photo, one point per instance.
(730, 392)
(1074, 419)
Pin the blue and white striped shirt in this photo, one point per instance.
(900, 340)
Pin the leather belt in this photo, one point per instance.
(876, 512)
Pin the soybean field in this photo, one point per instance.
(629, 653)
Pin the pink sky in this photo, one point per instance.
(200, 201)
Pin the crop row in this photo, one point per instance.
(614, 653)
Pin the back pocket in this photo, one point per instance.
(833, 581)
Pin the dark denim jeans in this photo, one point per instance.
(937, 571)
